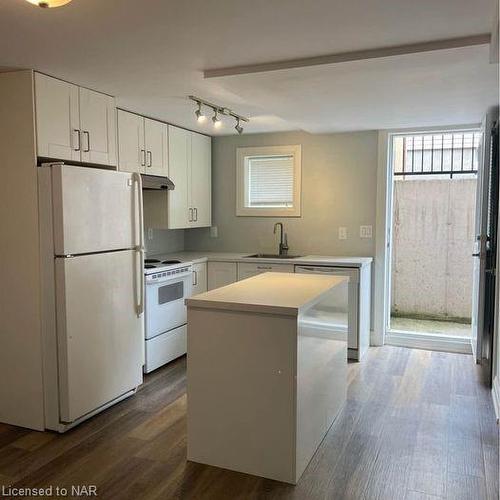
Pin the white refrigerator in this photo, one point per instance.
(93, 290)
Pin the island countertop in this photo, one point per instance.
(271, 293)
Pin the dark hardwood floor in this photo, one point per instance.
(417, 425)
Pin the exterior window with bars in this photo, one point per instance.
(447, 154)
(268, 181)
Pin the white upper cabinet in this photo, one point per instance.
(131, 152)
(156, 146)
(179, 159)
(190, 168)
(98, 127)
(201, 180)
(142, 144)
(57, 119)
(74, 123)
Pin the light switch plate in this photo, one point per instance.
(342, 233)
(214, 232)
(365, 231)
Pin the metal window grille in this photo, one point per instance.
(438, 154)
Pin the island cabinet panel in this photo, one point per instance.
(221, 274)
(229, 369)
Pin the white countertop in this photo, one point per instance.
(272, 293)
(310, 260)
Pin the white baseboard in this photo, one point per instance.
(495, 394)
(429, 342)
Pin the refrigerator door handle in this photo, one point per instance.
(140, 248)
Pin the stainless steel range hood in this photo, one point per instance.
(156, 182)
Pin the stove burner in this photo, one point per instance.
(149, 266)
(151, 261)
(170, 261)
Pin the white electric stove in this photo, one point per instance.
(167, 284)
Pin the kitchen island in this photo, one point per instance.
(264, 383)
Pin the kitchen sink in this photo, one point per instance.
(271, 256)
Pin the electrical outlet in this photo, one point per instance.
(214, 232)
(365, 231)
(150, 234)
(342, 233)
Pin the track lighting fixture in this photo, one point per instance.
(218, 110)
(216, 119)
(238, 127)
(199, 115)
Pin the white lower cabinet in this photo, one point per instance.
(200, 277)
(247, 270)
(221, 274)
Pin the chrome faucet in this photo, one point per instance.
(283, 247)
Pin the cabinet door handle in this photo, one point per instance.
(190, 215)
(195, 278)
(195, 215)
(264, 267)
(87, 133)
(78, 141)
(143, 158)
(150, 156)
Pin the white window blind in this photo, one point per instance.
(270, 181)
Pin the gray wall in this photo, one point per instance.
(338, 189)
(164, 241)
(433, 239)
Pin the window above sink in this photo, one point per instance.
(269, 181)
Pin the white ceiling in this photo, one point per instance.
(151, 54)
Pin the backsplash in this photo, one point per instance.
(164, 241)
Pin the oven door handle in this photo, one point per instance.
(140, 248)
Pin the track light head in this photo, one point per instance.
(199, 115)
(238, 127)
(216, 120)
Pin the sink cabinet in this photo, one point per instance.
(247, 270)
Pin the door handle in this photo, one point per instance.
(87, 133)
(143, 158)
(191, 215)
(195, 210)
(140, 247)
(195, 278)
(79, 140)
(150, 156)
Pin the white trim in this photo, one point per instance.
(429, 341)
(241, 153)
(495, 394)
(381, 241)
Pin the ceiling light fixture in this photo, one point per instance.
(238, 127)
(199, 115)
(48, 4)
(216, 119)
(218, 110)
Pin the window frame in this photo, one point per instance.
(242, 154)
